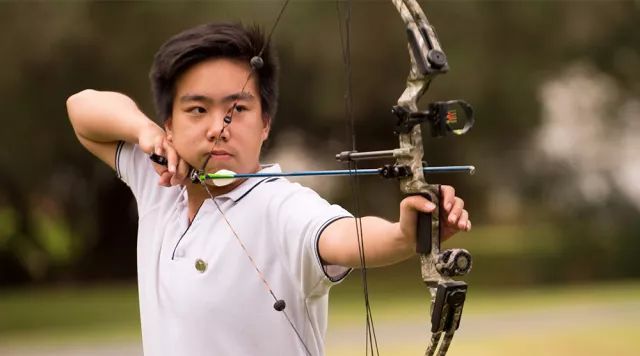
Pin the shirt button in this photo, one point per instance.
(201, 265)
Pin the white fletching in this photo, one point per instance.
(222, 181)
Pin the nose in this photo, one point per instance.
(218, 128)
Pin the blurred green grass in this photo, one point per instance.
(70, 314)
(588, 319)
(109, 314)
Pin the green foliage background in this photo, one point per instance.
(65, 218)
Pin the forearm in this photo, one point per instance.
(383, 243)
(101, 116)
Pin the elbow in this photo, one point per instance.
(76, 100)
(75, 109)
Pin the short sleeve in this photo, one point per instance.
(301, 215)
(135, 169)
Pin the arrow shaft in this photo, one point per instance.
(337, 172)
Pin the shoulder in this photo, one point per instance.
(283, 190)
(286, 200)
(279, 197)
(271, 189)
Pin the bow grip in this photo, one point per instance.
(424, 227)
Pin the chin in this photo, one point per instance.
(212, 168)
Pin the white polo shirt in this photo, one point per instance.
(200, 294)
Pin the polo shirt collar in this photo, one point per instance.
(250, 183)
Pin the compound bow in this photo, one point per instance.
(443, 118)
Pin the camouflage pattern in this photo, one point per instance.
(417, 84)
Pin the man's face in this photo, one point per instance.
(205, 93)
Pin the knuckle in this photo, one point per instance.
(404, 204)
(449, 189)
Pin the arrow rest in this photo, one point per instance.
(395, 171)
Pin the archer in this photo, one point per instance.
(201, 246)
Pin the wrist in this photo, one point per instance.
(406, 244)
(145, 129)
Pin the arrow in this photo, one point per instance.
(224, 177)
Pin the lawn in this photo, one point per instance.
(582, 319)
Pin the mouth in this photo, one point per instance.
(219, 155)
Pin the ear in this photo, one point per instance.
(266, 121)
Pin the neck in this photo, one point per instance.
(197, 194)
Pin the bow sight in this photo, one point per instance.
(444, 118)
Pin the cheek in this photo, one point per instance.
(184, 131)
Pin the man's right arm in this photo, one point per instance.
(100, 119)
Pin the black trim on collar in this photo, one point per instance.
(175, 248)
(250, 189)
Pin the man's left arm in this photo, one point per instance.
(388, 242)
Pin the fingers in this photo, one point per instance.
(158, 148)
(171, 155)
(416, 203)
(182, 172)
(454, 217)
(458, 217)
(165, 178)
(176, 170)
(448, 196)
(158, 145)
(455, 211)
(463, 224)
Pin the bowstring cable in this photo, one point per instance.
(226, 121)
(259, 272)
(229, 116)
(371, 342)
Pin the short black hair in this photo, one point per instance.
(208, 41)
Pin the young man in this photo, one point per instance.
(214, 262)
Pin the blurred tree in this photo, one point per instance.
(65, 216)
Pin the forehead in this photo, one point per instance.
(216, 78)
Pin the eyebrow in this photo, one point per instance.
(206, 99)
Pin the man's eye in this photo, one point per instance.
(197, 110)
(241, 108)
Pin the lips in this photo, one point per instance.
(219, 154)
